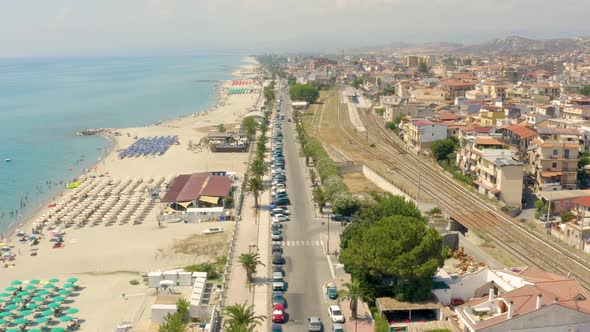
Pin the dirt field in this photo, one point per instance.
(358, 183)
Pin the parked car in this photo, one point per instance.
(277, 248)
(335, 314)
(283, 201)
(276, 226)
(314, 324)
(278, 298)
(276, 328)
(337, 327)
(277, 258)
(545, 217)
(277, 236)
(278, 284)
(278, 268)
(280, 210)
(278, 313)
(337, 217)
(282, 217)
(331, 291)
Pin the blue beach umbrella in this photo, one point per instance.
(66, 318)
(58, 299)
(17, 300)
(52, 280)
(32, 306)
(16, 283)
(11, 307)
(53, 305)
(58, 329)
(63, 292)
(69, 286)
(42, 292)
(72, 311)
(47, 313)
(49, 286)
(25, 312)
(10, 289)
(12, 330)
(21, 321)
(34, 281)
(41, 320)
(4, 295)
(72, 280)
(5, 314)
(23, 293)
(30, 288)
(34, 330)
(37, 299)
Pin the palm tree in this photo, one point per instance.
(354, 292)
(255, 186)
(241, 318)
(250, 262)
(320, 197)
(313, 176)
(258, 167)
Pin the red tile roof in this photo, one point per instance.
(584, 201)
(423, 123)
(189, 187)
(523, 132)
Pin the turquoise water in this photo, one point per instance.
(44, 101)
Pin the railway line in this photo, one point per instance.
(506, 234)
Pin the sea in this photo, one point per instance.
(45, 101)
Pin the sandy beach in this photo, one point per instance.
(106, 258)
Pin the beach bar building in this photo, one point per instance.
(197, 190)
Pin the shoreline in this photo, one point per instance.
(28, 220)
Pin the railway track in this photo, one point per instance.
(455, 200)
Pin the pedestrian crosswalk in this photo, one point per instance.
(305, 243)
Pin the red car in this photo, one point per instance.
(278, 313)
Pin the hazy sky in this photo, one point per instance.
(57, 27)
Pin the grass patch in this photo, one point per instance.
(381, 324)
(213, 270)
(134, 282)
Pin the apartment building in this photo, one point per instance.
(422, 133)
(554, 160)
(490, 116)
(456, 88)
(501, 178)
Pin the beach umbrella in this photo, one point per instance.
(34, 330)
(58, 299)
(5, 314)
(72, 311)
(2, 322)
(69, 286)
(66, 318)
(72, 280)
(42, 292)
(20, 321)
(12, 330)
(25, 312)
(47, 313)
(63, 292)
(37, 299)
(30, 288)
(53, 305)
(4, 295)
(52, 280)
(23, 293)
(11, 307)
(10, 289)
(58, 329)
(32, 306)
(34, 281)
(41, 320)
(16, 283)
(49, 286)
(17, 300)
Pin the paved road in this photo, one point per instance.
(306, 267)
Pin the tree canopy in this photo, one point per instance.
(249, 126)
(305, 92)
(401, 247)
(441, 149)
(585, 90)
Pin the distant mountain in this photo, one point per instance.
(516, 45)
(512, 45)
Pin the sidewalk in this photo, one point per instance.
(253, 235)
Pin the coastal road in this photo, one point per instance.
(306, 267)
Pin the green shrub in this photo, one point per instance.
(134, 282)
